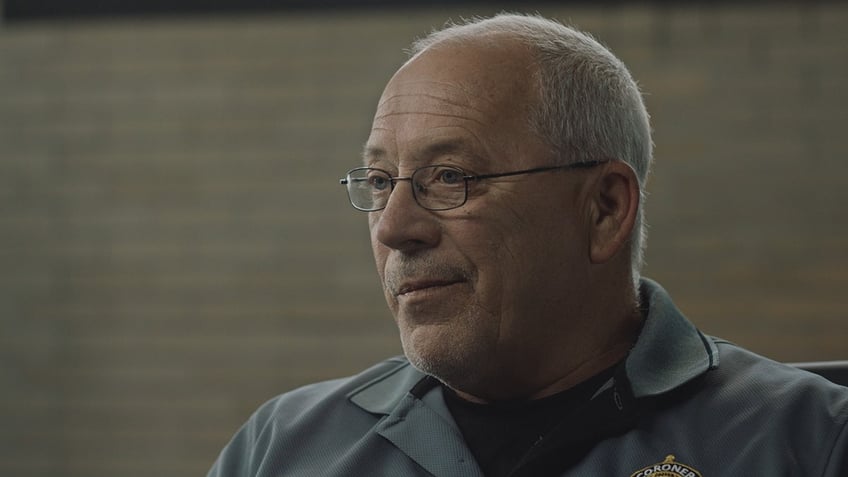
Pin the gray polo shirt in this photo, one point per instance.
(695, 406)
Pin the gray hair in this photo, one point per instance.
(589, 107)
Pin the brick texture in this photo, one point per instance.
(175, 247)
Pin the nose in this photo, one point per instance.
(404, 225)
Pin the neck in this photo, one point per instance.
(566, 372)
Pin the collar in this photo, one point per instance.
(669, 353)
(381, 394)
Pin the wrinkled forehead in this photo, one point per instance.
(439, 98)
(476, 92)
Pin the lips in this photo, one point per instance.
(419, 285)
(420, 275)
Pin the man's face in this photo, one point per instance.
(483, 292)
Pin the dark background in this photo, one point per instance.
(17, 10)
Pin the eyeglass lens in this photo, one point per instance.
(434, 187)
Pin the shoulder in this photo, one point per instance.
(750, 415)
(760, 393)
(314, 420)
(779, 407)
(749, 376)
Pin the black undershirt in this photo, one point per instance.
(499, 434)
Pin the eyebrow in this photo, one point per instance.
(450, 146)
(372, 154)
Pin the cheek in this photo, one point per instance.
(381, 254)
(515, 260)
(495, 256)
(377, 248)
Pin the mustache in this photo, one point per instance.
(405, 269)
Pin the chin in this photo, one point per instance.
(457, 362)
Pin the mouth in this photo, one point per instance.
(424, 285)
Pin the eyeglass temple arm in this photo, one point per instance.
(576, 165)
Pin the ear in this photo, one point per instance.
(615, 202)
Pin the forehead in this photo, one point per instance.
(425, 150)
(454, 98)
(457, 98)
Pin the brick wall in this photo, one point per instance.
(175, 248)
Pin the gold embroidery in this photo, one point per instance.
(667, 468)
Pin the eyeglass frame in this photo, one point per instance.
(345, 181)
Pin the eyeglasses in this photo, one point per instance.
(436, 187)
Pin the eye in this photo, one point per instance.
(378, 181)
(449, 176)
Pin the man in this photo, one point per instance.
(504, 180)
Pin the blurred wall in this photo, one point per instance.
(175, 247)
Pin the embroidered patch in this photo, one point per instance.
(667, 468)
